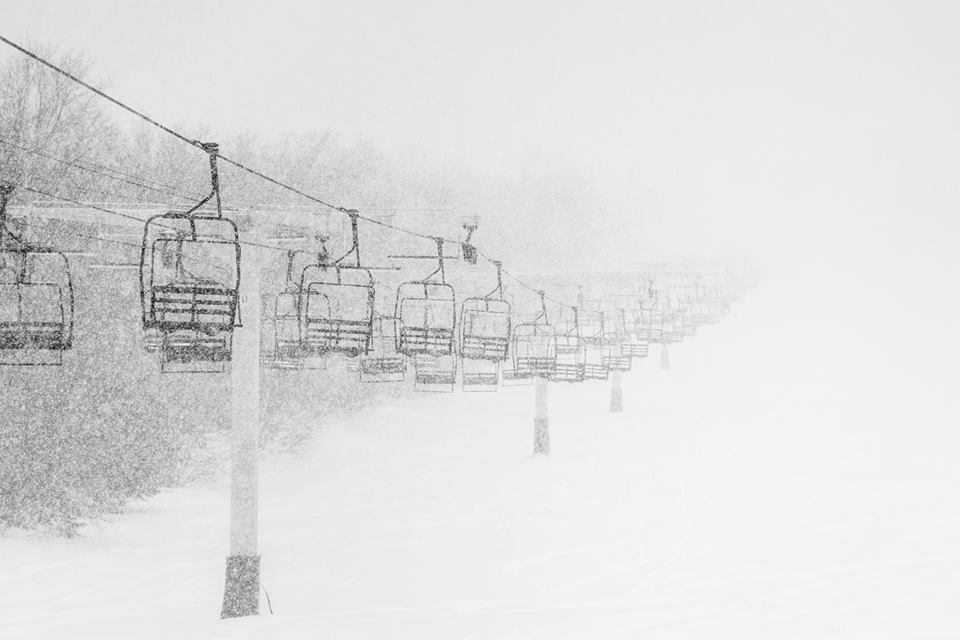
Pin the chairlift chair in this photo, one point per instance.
(570, 352)
(287, 353)
(484, 337)
(382, 363)
(595, 344)
(534, 350)
(485, 329)
(479, 374)
(654, 325)
(336, 305)
(534, 346)
(689, 325)
(615, 356)
(190, 283)
(152, 340)
(675, 329)
(697, 309)
(434, 372)
(509, 376)
(664, 316)
(427, 314)
(637, 345)
(36, 299)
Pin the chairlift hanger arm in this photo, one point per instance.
(355, 247)
(213, 151)
(499, 289)
(438, 257)
(543, 306)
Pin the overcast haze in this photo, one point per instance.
(761, 447)
(753, 128)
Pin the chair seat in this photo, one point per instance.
(618, 363)
(346, 336)
(382, 366)
(595, 372)
(426, 340)
(33, 335)
(484, 347)
(568, 372)
(176, 307)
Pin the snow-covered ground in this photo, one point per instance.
(792, 475)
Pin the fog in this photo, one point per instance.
(776, 131)
(785, 465)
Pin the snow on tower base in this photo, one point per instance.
(241, 593)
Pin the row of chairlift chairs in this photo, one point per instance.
(189, 290)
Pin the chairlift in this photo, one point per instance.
(426, 312)
(337, 304)
(382, 363)
(637, 345)
(287, 350)
(510, 378)
(152, 340)
(595, 344)
(479, 375)
(654, 320)
(434, 372)
(36, 299)
(688, 324)
(535, 346)
(485, 325)
(484, 337)
(673, 323)
(615, 356)
(697, 308)
(570, 352)
(190, 283)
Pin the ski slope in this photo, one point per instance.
(790, 476)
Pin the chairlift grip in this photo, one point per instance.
(212, 149)
(354, 224)
(443, 276)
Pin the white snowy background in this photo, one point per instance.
(793, 475)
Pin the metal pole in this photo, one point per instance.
(541, 422)
(241, 594)
(664, 356)
(616, 392)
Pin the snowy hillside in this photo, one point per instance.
(787, 478)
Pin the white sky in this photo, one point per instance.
(722, 126)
